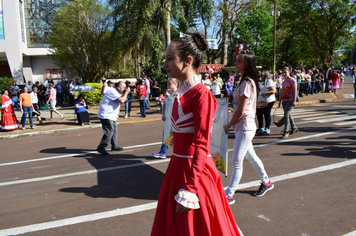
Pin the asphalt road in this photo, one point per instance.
(56, 184)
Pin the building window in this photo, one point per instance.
(22, 21)
(39, 19)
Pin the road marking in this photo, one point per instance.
(322, 117)
(153, 205)
(152, 162)
(348, 117)
(73, 155)
(347, 122)
(78, 219)
(318, 114)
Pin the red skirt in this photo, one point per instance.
(213, 218)
(9, 120)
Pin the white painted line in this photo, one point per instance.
(353, 233)
(73, 155)
(24, 181)
(153, 205)
(317, 114)
(78, 219)
(323, 117)
(347, 122)
(339, 118)
(152, 162)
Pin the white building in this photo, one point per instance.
(24, 27)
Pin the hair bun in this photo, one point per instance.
(200, 41)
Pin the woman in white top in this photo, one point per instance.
(215, 88)
(243, 122)
(266, 95)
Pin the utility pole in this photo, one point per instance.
(274, 38)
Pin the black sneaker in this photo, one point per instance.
(263, 189)
(294, 130)
(230, 200)
(285, 135)
(102, 152)
(116, 149)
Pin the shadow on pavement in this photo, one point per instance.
(115, 178)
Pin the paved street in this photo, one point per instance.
(56, 184)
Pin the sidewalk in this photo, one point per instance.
(70, 121)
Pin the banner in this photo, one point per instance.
(167, 128)
(218, 145)
(213, 43)
(57, 73)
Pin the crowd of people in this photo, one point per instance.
(31, 98)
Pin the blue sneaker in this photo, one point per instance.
(159, 155)
(266, 131)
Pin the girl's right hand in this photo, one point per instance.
(163, 118)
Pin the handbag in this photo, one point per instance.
(280, 122)
(263, 103)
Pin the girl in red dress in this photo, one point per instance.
(192, 199)
(8, 117)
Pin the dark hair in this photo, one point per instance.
(80, 96)
(250, 67)
(139, 82)
(191, 46)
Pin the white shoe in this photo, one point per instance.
(125, 116)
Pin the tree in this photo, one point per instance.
(232, 12)
(81, 39)
(317, 26)
(256, 29)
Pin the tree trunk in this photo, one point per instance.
(225, 34)
(168, 25)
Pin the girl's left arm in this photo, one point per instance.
(240, 112)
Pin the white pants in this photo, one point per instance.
(243, 148)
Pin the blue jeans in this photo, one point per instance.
(312, 90)
(128, 104)
(309, 88)
(26, 110)
(288, 119)
(143, 107)
(148, 100)
(164, 147)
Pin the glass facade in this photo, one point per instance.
(22, 21)
(39, 16)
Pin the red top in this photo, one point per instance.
(194, 112)
(141, 90)
(334, 76)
